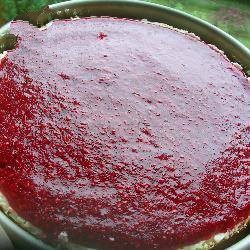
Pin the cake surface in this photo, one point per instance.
(124, 134)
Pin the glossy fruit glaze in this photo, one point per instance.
(124, 134)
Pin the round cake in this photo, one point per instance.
(123, 134)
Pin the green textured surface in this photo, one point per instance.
(229, 15)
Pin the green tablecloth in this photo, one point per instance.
(230, 15)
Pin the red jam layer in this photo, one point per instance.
(126, 135)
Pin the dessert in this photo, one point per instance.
(123, 134)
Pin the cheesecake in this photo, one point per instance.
(123, 134)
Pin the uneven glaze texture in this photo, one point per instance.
(126, 135)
